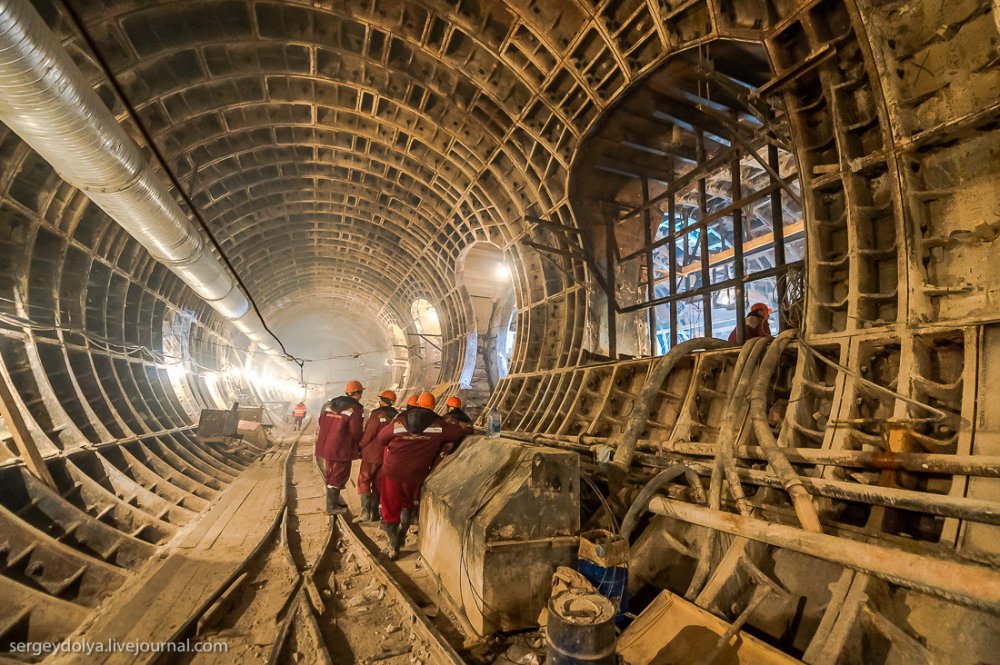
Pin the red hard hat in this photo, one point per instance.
(453, 401)
(411, 400)
(353, 387)
(388, 395)
(426, 400)
(760, 307)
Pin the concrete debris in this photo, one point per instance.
(357, 600)
(522, 655)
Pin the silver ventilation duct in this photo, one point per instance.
(45, 99)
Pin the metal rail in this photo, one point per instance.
(290, 583)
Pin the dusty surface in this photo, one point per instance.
(313, 593)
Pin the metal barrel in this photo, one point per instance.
(581, 629)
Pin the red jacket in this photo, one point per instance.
(323, 424)
(762, 330)
(371, 451)
(413, 442)
(461, 420)
(340, 428)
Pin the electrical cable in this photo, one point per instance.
(938, 414)
(147, 137)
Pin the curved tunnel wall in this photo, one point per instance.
(461, 122)
(351, 154)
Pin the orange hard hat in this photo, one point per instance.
(453, 401)
(353, 387)
(411, 400)
(760, 307)
(388, 395)
(426, 400)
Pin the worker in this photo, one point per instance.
(323, 424)
(414, 442)
(754, 325)
(456, 415)
(339, 441)
(411, 402)
(371, 456)
(455, 412)
(298, 415)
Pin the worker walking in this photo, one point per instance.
(754, 325)
(298, 415)
(371, 456)
(414, 441)
(339, 439)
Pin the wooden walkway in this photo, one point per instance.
(173, 590)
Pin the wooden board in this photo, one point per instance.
(167, 594)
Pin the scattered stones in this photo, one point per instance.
(357, 601)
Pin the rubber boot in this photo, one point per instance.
(366, 509)
(392, 531)
(405, 519)
(376, 507)
(333, 502)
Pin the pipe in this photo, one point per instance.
(650, 489)
(723, 467)
(734, 419)
(964, 508)
(801, 499)
(644, 400)
(46, 100)
(958, 507)
(985, 466)
(968, 584)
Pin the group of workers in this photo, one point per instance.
(397, 449)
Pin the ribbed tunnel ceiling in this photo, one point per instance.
(339, 151)
(645, 169)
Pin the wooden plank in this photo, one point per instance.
(169, 594)
(26, 446)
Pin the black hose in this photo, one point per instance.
(650, 489)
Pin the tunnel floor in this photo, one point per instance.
(264, 574)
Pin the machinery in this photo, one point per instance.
(496, 519)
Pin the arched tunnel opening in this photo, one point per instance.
(506, 331)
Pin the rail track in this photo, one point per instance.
(316, 591)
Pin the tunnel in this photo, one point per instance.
(714, 280)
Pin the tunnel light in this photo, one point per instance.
(503, 272)
(176, 371)
(235, 372)
(211, 378)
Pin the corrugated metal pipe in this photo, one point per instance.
(45, 99)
